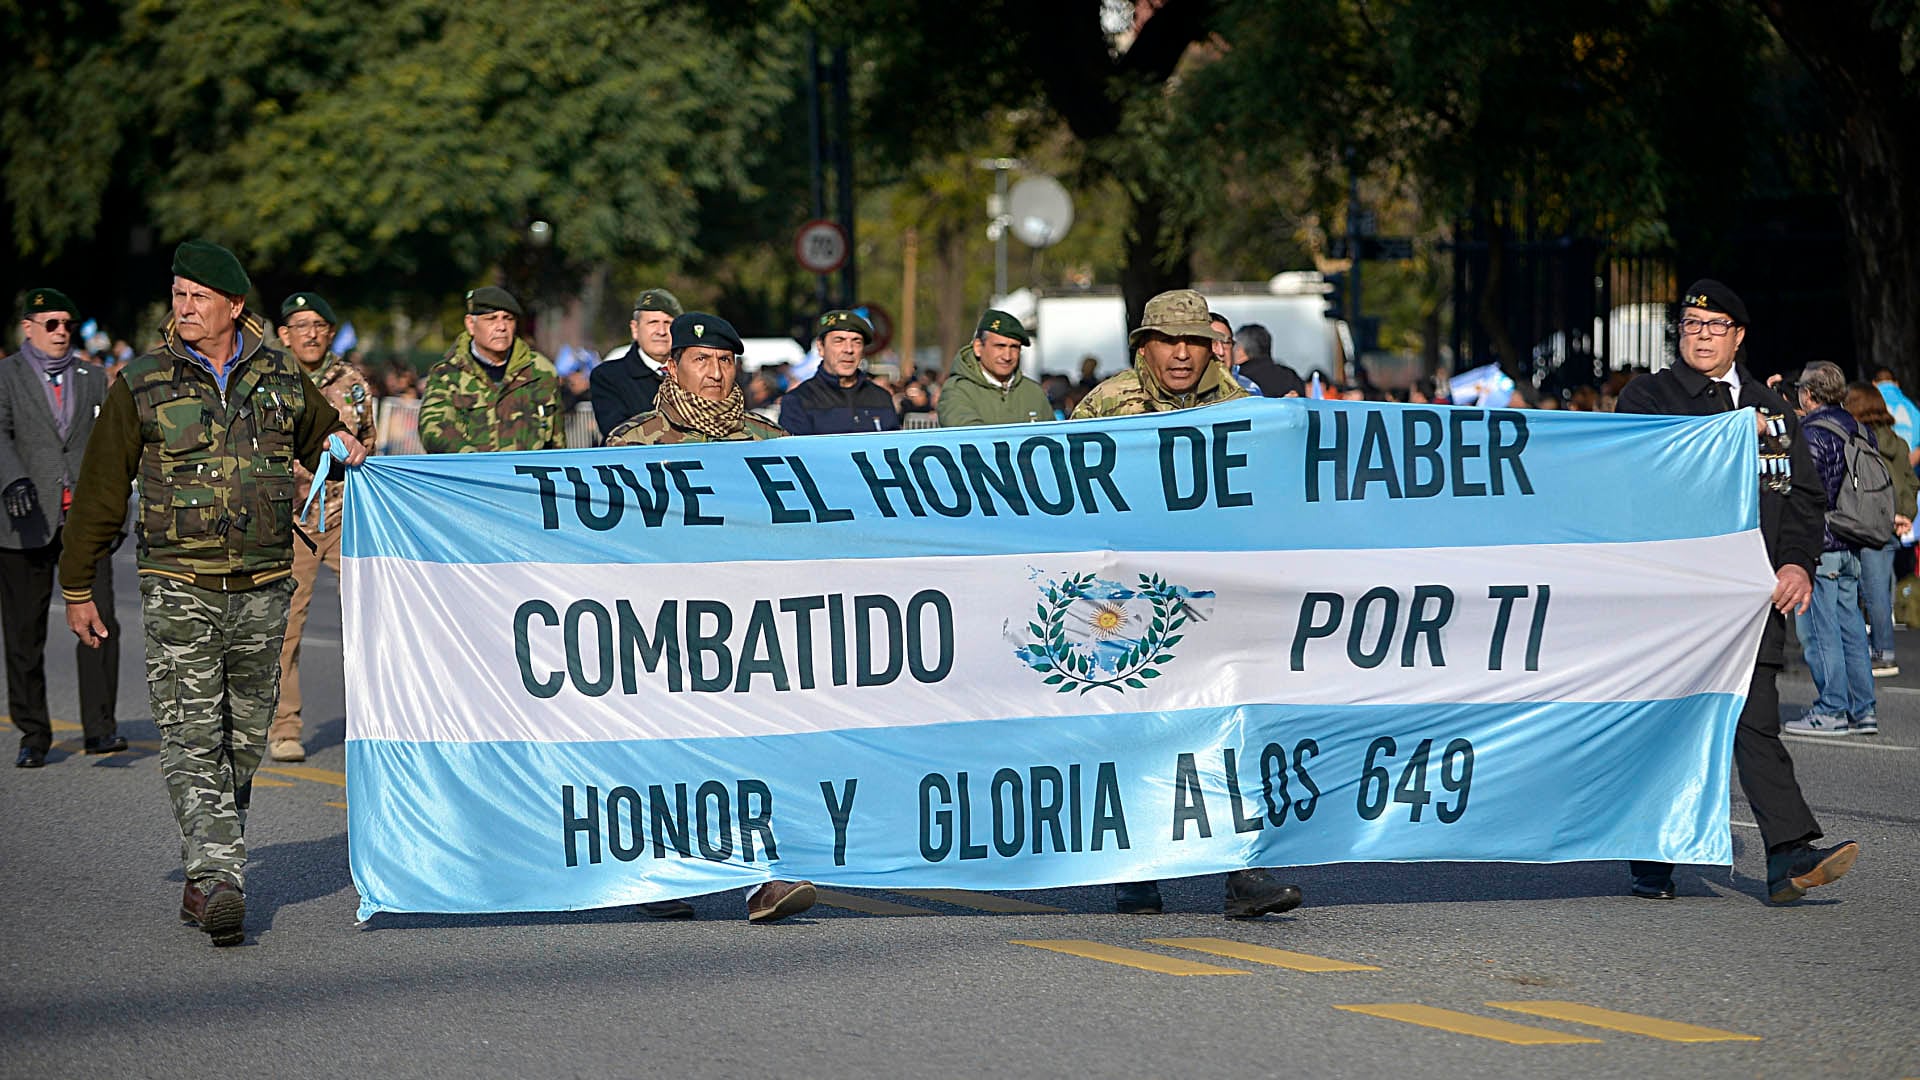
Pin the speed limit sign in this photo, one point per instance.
(821, 246)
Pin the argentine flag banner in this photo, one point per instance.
(1265, 633)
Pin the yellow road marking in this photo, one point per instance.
(1260, 954)
(62, 725)
(341, 805)
(1136, 958)
(307, 772)
(1671, 1031)
(268, 781)
(866, 905)
(1460, 1023)
(981, 901)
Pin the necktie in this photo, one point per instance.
(1723, 396)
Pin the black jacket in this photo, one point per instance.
(821, 406)
(622, 387)
(1792, 525)
(1275, 380)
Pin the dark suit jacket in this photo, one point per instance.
(1792, 525)
(31, 446)
(621, 387)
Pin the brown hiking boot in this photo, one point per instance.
(286, 750)
(779, 899)
(219, 910)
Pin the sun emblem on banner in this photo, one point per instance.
(1088, 632)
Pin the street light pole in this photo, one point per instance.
(999, 221)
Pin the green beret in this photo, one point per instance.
(307, 301)
(40, 301)
(846, 320)
(211, 265)
(491, 298)
(659, 300)
(999, 322)
(700, 328)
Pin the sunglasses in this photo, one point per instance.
(55, 324)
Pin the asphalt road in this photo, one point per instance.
(101, 980)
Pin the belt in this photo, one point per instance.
(227, 583)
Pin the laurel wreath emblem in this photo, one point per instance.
(1068, 670)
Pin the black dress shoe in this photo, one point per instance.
(31, 757)
(105, 744)
(1653, 890)
(1253, 893)
(668, 909)
(1791, 873)
(1137, 898)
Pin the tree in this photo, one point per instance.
(1862, 54)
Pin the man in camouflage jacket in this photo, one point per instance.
(211, 422)
(1174, 366)
(307, 328)
(491, 391)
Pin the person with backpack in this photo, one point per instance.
(1708, 379)
(1860, 507)
(1877, 564)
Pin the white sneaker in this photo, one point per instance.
(1867, 726)
(1884, 667)
(1818, 724)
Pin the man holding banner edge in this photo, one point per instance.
(1708, 380)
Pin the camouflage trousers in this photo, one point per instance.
(213, 676)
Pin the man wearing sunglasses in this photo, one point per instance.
(1710, 379)
(48, 401)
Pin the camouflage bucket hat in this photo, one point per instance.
(1180, 313)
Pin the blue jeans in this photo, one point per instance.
(1833, 634)
(1876, 596)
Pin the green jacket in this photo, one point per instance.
(462, 410)
(1906, 486)
(217, 490)
(970, 398)
(1136, 391)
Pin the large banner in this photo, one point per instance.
(1269, 633)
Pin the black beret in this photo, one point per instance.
(1709, 295)
(44, 300)
(211, 265)
(307, 301)
(846, 320)
(490, 298)
(659, 300)
(700, 328)
(999, 322)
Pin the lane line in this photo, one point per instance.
(1632, 1023)
(1133, 958)
(307, 772)
(268, 781)
(1852, 742)
(341, 805)
(57, 725)
(866, 905)
(1480, 1027)
(1260, 954)
(1743, 824)
(981, 901)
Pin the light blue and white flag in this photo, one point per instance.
(1266, 633)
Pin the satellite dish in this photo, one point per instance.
(1039, 211)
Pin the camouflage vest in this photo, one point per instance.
(216, 477)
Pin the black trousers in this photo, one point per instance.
(1766, 773)
(26, 589)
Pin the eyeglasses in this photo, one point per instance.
(55, 324)
(1713, 327)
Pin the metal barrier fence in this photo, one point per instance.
(397, 427)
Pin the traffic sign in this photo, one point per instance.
(882, 322)
(821, 246)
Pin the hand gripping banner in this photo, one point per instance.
(1269, 633)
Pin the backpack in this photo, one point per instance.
(1862, 512)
